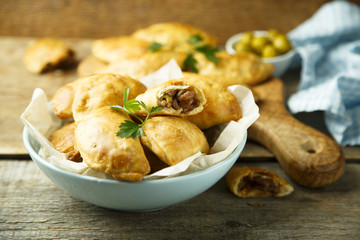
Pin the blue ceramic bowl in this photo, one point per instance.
(141, 196)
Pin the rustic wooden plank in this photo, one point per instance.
(97, 19)
(33, 207)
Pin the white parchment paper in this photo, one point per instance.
(41, 122)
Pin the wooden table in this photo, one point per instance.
(33, 207)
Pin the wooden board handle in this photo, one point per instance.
(309, 157)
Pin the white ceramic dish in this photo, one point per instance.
(281, 63)
(147, 195)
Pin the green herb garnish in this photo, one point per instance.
(209, 51)
(130, 128)
(189, 64)
(155, 46)
(195, 40)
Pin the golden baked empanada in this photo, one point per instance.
(95, 91)
(221, 106)
(101, 90)
(145, 64)
(118, 48)
(47, 54)
(235, 69)
(90, 65)
(174, 36)
(173, 139)
(255, 182)
(176, 97)
(63, 140)
(102, 150)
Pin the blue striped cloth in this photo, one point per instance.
(329, 47)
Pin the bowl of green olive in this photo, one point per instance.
(272, 46)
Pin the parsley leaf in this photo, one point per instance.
(155, 46)
(209, 52)
(129, 128)
(195, 40)
(189, 64)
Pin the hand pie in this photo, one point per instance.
(47, 54)
(118, 48)
(63, 140)
(255, 182)
(221, 106)
(173, 139)
(176, 97)
(102, 150)
(235, 69)
(90, 65)
(145, 64)
(174, 36)
(86, 94)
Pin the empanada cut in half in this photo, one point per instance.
(176, 97)
(95, 91)
(63, 140)
(102, 150)
(221, 106)
(255, 182)
(173, 139)
(47, 54)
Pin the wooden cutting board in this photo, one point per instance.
(310, 157)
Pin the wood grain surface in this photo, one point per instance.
(98, 19)
(32, 207)
(309, 156)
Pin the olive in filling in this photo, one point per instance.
(185, 99)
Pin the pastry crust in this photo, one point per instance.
(102, 150)
(95, 91)
(118, 48)
(221, 106)
(235, 69)
(173, 139)
(47, 54)
(255, 182)
(145, 64)
(174, 36)
(63, 140)
(90, 65)
(174, 106)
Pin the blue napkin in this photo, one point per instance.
(329, 46)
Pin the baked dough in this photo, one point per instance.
(174, 36)
(95, 91)
(47, 54)
(235, 69)
(176, 97)
(145, 64)
(255, 182)
(173, 139)
(90, 65)
(118, 48)
(63, 140)
(102, 150)
(221, 106)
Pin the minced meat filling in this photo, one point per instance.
(262, 183)
(185, 99)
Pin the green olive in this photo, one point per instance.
(246, 38)
(258, 43)
(272, 33)
(268, 51)
(240, 47)
(281, 43)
